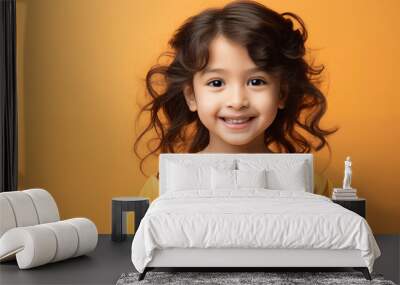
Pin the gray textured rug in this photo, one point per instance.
(229, 278)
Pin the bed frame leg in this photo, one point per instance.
(143, 274)
(364, 271)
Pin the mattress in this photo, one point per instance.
(250, 219)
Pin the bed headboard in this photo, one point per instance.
(205, 158)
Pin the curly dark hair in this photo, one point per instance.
(274, 46)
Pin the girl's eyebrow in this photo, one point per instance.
(221, 70)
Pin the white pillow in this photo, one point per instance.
(236, 179)
(223, 179)
(280, 174)
(188, 176)
(251, 178)
(288, 179)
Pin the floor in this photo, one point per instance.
(389, 262)
(102, 266)
(111, 259)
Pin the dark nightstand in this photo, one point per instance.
(357, 206)
(121, 205)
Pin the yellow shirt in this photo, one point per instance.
(322, 186)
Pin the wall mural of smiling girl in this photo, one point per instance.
(238, 82)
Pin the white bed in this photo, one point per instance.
(249, 226)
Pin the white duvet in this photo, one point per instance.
(250, 218)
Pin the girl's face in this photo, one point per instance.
(234, 99)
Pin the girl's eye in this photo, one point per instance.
(254, 82)
(217, 83)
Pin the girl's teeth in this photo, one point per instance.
(233, 121)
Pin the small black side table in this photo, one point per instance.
(120, 205)
(357, 206)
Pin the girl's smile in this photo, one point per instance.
(237, 124)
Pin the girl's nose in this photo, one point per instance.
(237, 98)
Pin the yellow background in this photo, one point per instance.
(81, 67)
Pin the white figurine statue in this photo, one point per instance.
(347, 174)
